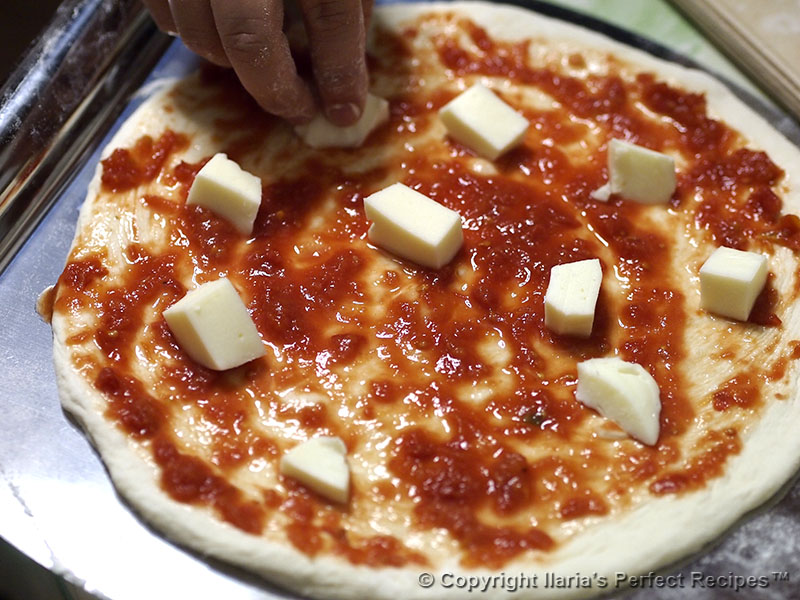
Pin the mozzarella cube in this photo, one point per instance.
(413, 226)
(571, 297)
(226, 189)
(321, 133)
(320, 464)
(622, 392)
(730, 282)
(483, 122)
(212, 325)
(640, 174)
(601, 194)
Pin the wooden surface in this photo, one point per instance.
(763, 38)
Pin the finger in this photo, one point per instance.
(366, 6)
(253, 40)
(195, 23)
(159, 10)
(336, 38)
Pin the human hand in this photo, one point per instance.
(248, 36)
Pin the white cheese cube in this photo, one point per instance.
(601, 194)
(483, 122)
(321, 133)
(640, 174)
(223, 187)
(212, 325)
(320, 464)
(623, 392)
(730, 282)
(571, 297)
(413, 226)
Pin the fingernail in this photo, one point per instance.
(343, 114)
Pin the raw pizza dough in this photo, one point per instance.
(639, 530)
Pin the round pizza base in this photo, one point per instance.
(659, 532)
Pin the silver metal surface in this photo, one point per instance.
(67, 91)
(57, 504)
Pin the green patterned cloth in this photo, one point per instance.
(659, 21)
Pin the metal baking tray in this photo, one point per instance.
(57, 504)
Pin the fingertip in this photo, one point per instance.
(298, 122)
(301, 118)
(337, 40)
(293, 103)
(218, 59)
(344, 104)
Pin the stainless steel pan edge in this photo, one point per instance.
(66, 93)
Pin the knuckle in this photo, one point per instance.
(331, 16)
(244, 40)
(202, 46)
(243, 43)
(282, 106)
